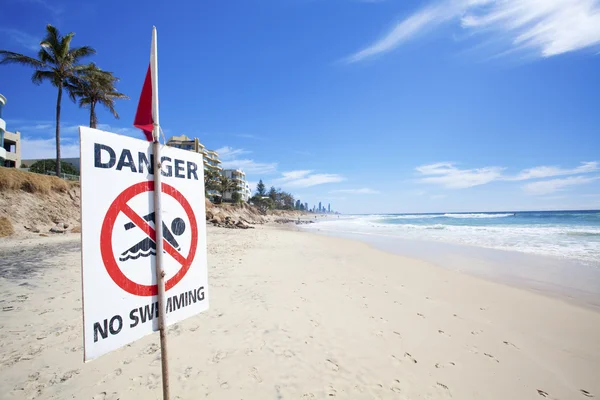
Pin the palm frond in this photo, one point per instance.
(65, 47)
(80, 52)
(40, 75)
(47, 55)
(85, 102)
(9, 57)
(51, 42)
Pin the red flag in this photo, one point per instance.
(143, 116)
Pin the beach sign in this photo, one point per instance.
(119, 249)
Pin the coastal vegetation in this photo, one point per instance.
(60, 64)
(274, 199)
(42, 166)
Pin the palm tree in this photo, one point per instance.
(57, 61)
(95, 86)
(228, 185)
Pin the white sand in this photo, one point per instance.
(295, 315)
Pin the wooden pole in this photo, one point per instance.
(160, 271)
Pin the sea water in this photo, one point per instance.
(568, 235)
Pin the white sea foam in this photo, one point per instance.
(580, 243)
(478, 215)
(429, 216)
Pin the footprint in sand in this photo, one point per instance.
(219, 355)
(333, 365)
(444, 389)
(510, 344)
(106, 396)
(332, 392)
(407, 355)
(450, 363)
(586, 393)
(477, 332)
(420, 315)
(395, 387)
(151, 349)
(441, 332)
(253, 372)
(491, 356)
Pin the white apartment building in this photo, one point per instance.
(10, 143)
(239, 177)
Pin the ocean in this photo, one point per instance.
(568, 235)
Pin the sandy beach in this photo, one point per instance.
(295, 315)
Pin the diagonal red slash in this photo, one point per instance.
(143, 225)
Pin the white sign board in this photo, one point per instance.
(120, 303)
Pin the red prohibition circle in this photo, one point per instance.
(106, 243)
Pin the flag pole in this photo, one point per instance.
(160, 272)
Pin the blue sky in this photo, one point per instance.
(374, 106)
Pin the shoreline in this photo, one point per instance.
(565, 279)
(300, 315)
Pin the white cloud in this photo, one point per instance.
(356, 191)
(229, 153)
(305, 178)
(553, 185)
(549, 171)
(447, 175)
(23, 39)
(250, 166)
(133, 132)
(548, 27)
(229, 158)
(46, 148)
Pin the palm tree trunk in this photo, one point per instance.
(93, 119)
(58, 100)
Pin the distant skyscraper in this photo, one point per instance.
(320, 208)
(298, 204)
(329, 207)
(306, 206)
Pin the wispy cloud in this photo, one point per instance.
(230, 158)
(46, 148)
(229, 153)
(549, 171)
(547, 27)
(48, 5)
(250, 166)
(553, 185)
(306, 178)
(449, 176)
(23, 39)
(133, 132)
(42, 127)
(356, 191)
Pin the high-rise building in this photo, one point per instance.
(239, 177)
(320, 208)
(329, 208)
(306, 206)
(211, 157)
(10, 143)
(298, 204)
